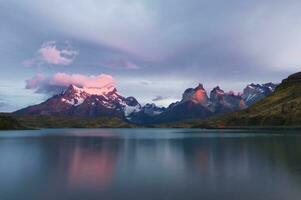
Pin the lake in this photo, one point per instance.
(150, 164)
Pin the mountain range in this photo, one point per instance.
(281, 108)
(107, 102)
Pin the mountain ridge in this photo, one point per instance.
(281, 108)
(107, 102)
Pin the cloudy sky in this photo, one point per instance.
(150, 49)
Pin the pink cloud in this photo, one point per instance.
(52, 55)
(58, 81)
(80, 80)
(35, 81)
(49, 53)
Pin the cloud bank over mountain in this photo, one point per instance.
(59, 81)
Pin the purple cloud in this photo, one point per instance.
(59, 81)
(53, 53)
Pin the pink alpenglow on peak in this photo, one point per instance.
(53, 84)
(99, 81)
(93, 90)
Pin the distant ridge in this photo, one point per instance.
(196, 104)
(281, 108)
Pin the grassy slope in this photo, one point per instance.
(71, 122)
(9, 123)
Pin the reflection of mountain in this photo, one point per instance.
(92, 165)
(242, 159)
(198, 167)
(149, 164)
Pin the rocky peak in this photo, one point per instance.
(197, 95)
(255, 92)
(199, 87)
(131, 101)
(216, 93)
(71, 88)
(271, 86)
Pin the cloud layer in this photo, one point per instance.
(51, 53)
(202, 36)
(59, 81)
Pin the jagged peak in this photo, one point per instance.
(200, 87)
(72, 88)
(217, 89)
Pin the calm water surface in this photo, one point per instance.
(150, 164)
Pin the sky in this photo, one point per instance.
(150, 49)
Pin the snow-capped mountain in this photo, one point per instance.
(107, 102)
(255, 92)
(86, 102)
(196, 104)
(152, 110)
(147, 114)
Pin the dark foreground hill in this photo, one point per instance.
(9, 123)
(71, 122)
(13, 122)
(282, 108)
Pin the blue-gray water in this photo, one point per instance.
(150, 164)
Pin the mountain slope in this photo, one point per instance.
(9, 123)
(85, 102)
(281, 108)
(42, 121)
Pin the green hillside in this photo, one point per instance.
(9, 123)
(71, 122)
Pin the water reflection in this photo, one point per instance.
(92, 163)
(149, 164)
